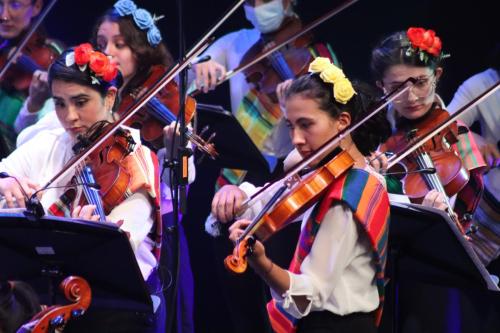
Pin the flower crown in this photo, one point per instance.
(98, 63)
(425, 43)
(329, 73)
(142, 18)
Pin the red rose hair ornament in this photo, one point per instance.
(425, 43)
(99, 64)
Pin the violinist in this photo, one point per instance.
(332, 283)
(136, 47)
(258, 112)
(15, 19)
(417, 53)
(84, 95)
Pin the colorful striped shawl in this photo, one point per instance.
(369, 202)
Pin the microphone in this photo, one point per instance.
(34, 208)
(427, 171)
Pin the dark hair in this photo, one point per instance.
(135, 38)
(371, 134)
(59, 71)
(18, 304)
(392, 50)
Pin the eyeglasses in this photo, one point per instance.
(422, 88)
(14, 6)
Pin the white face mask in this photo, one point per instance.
(266, 17)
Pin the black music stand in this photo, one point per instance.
(236, 149)
(52, 248)
(426, 247)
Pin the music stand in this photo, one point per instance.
(236, 149)
(52, 248)
(431, 249)
(425, 246)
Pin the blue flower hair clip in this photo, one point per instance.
(142, 18)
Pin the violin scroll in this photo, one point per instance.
(237, 262)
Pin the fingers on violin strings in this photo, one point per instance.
(204, 84)
(76, 211)
(213, 74)
(87, 212)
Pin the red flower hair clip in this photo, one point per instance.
(425, 42)
(98, 63)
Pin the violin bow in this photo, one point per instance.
(392, 160)
(159, 85)
(26, 38)
(217, 25)
(265, 54)
(141, 101)
(327, 146)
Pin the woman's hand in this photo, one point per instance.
(281, 91)
(378, 161)
(435, 199)
(236, 230)
(208, 75)
(12, 192)
(86, 212)
(227, 202)
(39, 91)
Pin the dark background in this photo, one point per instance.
(467, 35)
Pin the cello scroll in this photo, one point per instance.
(77, 291)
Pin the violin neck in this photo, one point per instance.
(160, 112)
(27, 64)
(281, 66)
(85, 176)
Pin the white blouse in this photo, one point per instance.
(46, 154)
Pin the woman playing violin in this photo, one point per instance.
(331, 284)
(136, 46)
(417, 53)
(84, 89)
(16, 17)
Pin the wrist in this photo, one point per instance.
(33, 106)
(262, 265)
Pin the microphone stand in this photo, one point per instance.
(178, 178)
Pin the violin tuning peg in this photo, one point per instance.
(57, 321)
(211, 137)
(203, 130)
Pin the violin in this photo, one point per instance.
(305, 193)
(77, 291)
(435, 153)
(162, 110)
(245, 65)
(108, 131)
(286, 63)
(450, 175)
(106, 167)
(38, 54)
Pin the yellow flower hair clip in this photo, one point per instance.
(329, 73)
